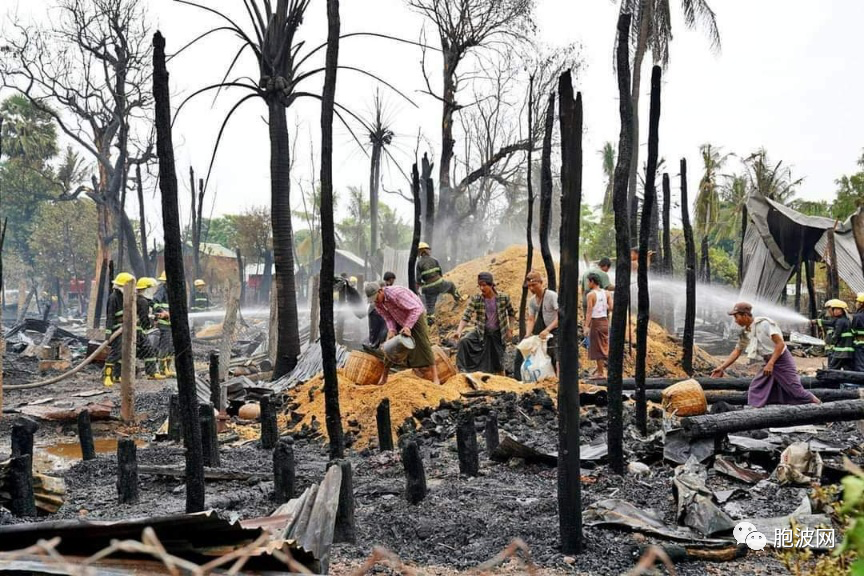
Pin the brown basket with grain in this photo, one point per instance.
(446, 368)
(364, 369)
(684, 399)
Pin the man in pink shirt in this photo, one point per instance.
(404, 312)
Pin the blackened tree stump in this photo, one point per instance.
(345, 530)
(127, 471)
(23, 502)
(491, 432)
(85, 436)
(209, 439)
(215, 395)
(269, 427)
(22, 437)
(175, 421)
(385, 429)
(283, 470)
(415, 475)
(466, 444)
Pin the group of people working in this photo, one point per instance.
(843, 334)
(154, 347)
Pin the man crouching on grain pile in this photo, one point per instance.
(779, 382)
(403, 311)
(483, 349)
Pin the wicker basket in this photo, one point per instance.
(364, 369)
(685, 399)
(446, 368)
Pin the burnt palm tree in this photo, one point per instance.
(380, 136)
(282, 70)
(608, 155)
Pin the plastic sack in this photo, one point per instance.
(799, 465)
(537, 364)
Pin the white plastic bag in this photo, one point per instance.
(537, 364)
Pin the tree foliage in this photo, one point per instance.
(64, 238)
(850, 192)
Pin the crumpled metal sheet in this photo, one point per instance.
(623, 514)
(696, 508)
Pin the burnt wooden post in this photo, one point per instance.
(284, 475)
(811, 292)
(23, 502)
(529, 225)
(744, 219)
(798, 274)
(546, 194)
(22, 437)
(127, 368)
(314, 307)
(690, 275)
(568, 470)
(833, 270)
(490, 433)
(644, 300)
(175, 272)
(667, 232)
(415, 475)
(269, 427)
(229, 325)
(345, 530)
(215, 391)
(175, 421)
(85, 436)
(127, 471)
(209, 437)
(415, 238)
(385, 429)
(466, 445)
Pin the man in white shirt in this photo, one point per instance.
(779, 382)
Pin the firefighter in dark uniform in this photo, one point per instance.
(200, 300)
(114, 321)
(826, 329)
(843, 357)
(145, 350)
(432, 283)
(162, 312)
(858, 332)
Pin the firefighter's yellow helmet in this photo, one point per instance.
(123, 278)
(836, 303)
(200, 282)
(423, 246)
(860, 297)
(163, 277)
(145, 283)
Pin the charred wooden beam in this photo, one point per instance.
(175, 420)
(269, 426)
(284, 470)
(345, 529)
(209, 439)
(729, 383)
(23, 503)
(85, 436)
(739, 397)
(415, 475)
(22, 437)
(490, 433)
(385, 429)
(127, 471)
(466, 445)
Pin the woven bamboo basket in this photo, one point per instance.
(364, 369)
(446, 368)
(685, 399)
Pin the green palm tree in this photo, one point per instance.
(608, 155)
(773, 182)
(651, 29)
(28, 133)
(708, 196)
(733, 198)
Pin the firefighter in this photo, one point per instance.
(145, 350)
(162, 312)
(858, 331)
(114, 321)
(432, 283)
(201, 301)
(843, 357)
(826, 329)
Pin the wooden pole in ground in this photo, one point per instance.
(466, 445)
(690, 274)
(490, 433)
(283, 470)
(85, 436)
(22, 436)
(175, 420)
(229, 325)
(127, 471)
(811, 292)
(569, 487)
(127, 367)
(272, 335)
(667, 226)
(620, 322)
(772, 416)
(833, 268)
(23, 502)
(546, 193)
(269, 426)
(345, 530)
(314, 307)
(798, 274)
(385, 429)
(209, 437)
(415, 238)
(644, 299)
(215, 380)
(174, 269)
(529, 225)
(415, 475)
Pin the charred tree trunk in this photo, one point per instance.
(705, 263)
(333, 415)
(667, 227)
(176, 286)
(741, 246)
(644, 303)
(284, 471)
(739, 397)
(200, 220)
(429, 206)
(374, 181)
(288, 330)
(811, 290)
(569, 484)
(833, 272)
(85, 436)
(621, 304)
(546, 194)
(127, 470)
(266, 277)
(529, 261)
(798, 274)
(193, 230)
(415, 239)
(385, 432)
(727, 383)
(446, 197)
(646, 17)
(142, 222)
(690, 275)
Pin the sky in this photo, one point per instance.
(786, 78)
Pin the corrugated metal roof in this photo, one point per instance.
(848, 260)
(765, 277)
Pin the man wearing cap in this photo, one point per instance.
(483, 350)
(542, 317)
(403, 312)
(779, 382)
(602, 272)
(858, 332)
(432, 282)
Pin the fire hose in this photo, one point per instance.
(74, 370)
